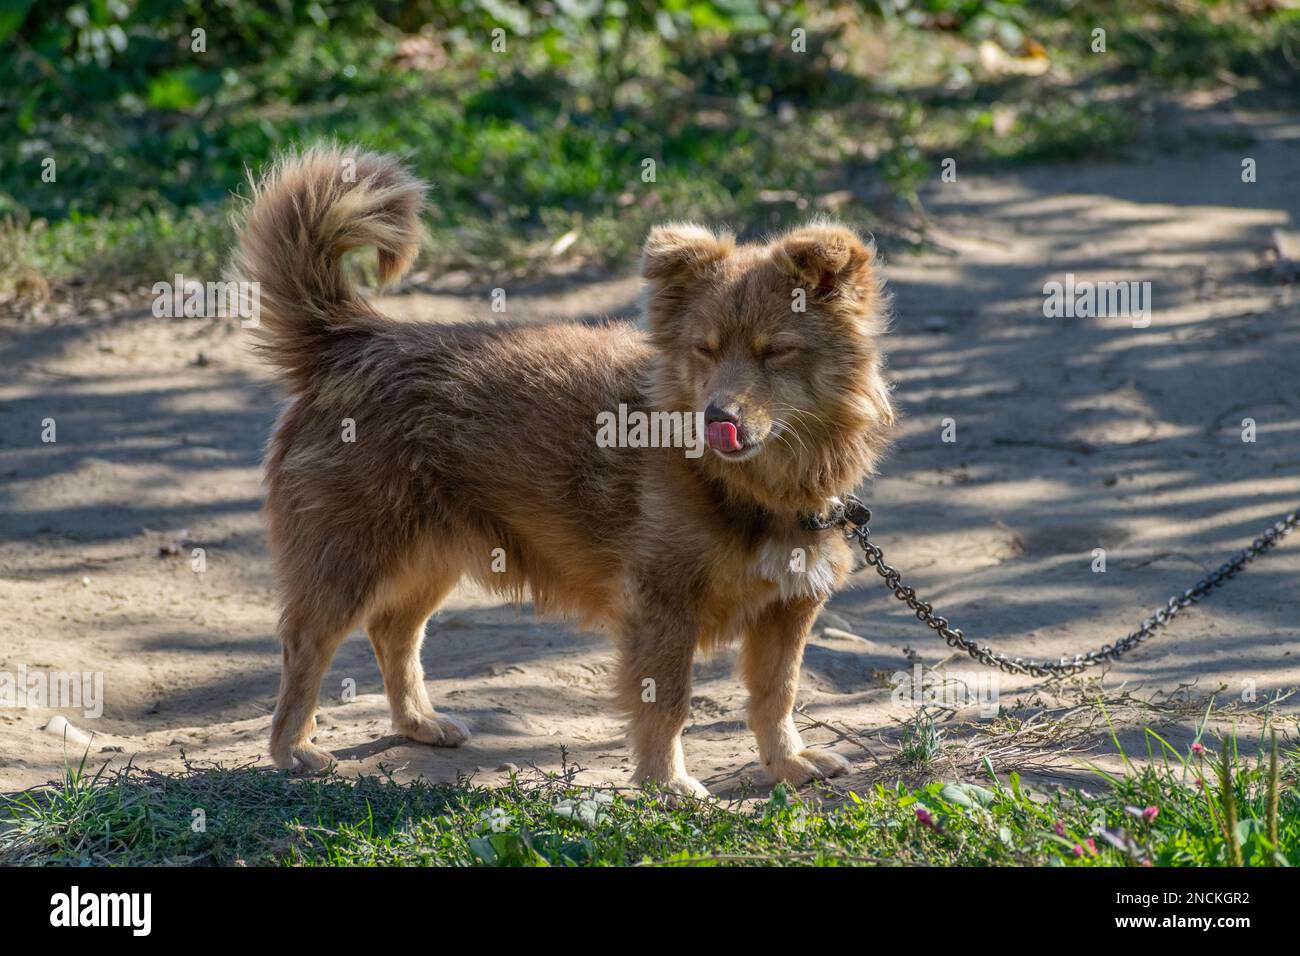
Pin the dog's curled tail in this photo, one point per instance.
(305, 212)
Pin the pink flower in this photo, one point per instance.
(1078, 850)
(1150, 814)
(1092, 845)
(1058, 828)
(1198, 748)
(926, 818)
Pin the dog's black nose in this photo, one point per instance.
(717, 413)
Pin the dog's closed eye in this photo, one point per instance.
(780, 353)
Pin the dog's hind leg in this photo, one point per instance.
(396, 629)
(309, 639)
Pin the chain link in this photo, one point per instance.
(855, 517)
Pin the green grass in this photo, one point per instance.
(1203, 808)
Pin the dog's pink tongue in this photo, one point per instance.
(722, 436)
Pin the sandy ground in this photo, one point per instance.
(1072, 434)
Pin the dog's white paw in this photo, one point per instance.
(309, 759)
(686, 787)
(437, 730)
(673, 787)
(810, 764)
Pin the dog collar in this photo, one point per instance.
(837, 514)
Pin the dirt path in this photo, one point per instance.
(1072, 434)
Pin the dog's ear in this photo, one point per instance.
(683, 250)
(829, 260)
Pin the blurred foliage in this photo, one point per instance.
(1196, 43)
(153, 110)
(111, 83)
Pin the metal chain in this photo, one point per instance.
(854, 516)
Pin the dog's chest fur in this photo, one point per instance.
(801, 566)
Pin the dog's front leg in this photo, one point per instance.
(771, 656)
(657, 648)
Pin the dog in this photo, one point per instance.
(473, 454)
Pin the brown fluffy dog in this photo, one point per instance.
(470, 439)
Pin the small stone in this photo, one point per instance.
(831, 619)
(60, 727)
